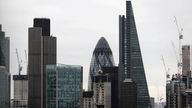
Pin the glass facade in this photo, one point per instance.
(102, 57)
(133, 66)
(64, 86)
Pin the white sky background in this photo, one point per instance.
(78, 25)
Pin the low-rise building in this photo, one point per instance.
(20, 91)
(88, 99)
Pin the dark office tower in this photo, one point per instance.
(42, 51)
(122, 57)
(131, 53)
(4, 50)
(102, 57)
(122, 38)
(128, 94)
(4, 71)
(44, 23)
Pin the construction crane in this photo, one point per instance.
(19, 62)
(176, 55)
(166, 69)
(180, 30)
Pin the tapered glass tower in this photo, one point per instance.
(130, 60)
(102, 57)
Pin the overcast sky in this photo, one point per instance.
(78, 25)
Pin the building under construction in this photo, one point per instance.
(20, 91)
(179, 88)
(20, 99)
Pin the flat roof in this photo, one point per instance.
(20, 77)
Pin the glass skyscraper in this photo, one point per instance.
(64, 86)
(131, 63)
(102, 57)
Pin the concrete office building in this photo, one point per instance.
(112, 73)
(102, 90)
(105, 88)
(88, 99)
(130, 60)
(64, 86)
(4, 70)
(41, 52)
(186, 61)
(20, 91)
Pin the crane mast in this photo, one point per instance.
(166, 69)
(19, 62)
(180, 30)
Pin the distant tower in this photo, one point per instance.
(186, 61)
(4, 71)
(130, 60)
(102, 57)
(4, 50)
(42, 51)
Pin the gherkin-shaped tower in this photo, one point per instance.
(102, 57)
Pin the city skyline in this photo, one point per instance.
(161, 23)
